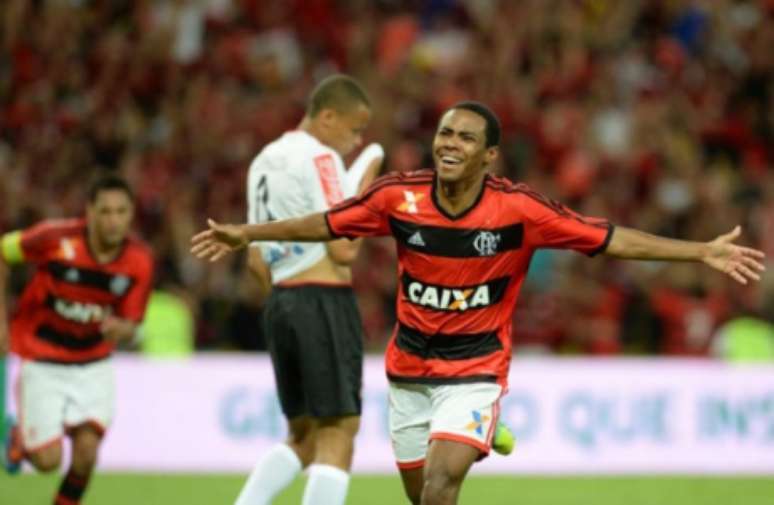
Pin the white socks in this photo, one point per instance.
(327, 485)
(273, 473)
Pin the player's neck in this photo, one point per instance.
(102, 253)
(312, 128)
(458, 196)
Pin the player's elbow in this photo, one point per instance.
(343, 252)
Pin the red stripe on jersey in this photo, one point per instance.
(329, 179)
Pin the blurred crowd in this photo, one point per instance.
(655, 114)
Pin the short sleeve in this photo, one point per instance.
(363, 216)
(39, 242)
(550, 224)
(133, 305)
(327, 185)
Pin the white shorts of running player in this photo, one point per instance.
(53, 398)
(465, 413)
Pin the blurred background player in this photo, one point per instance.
(311, 320)
(465, 240)
(88, 293)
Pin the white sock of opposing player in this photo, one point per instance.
(327, 485)
(273, 473)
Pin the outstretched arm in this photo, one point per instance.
(221, 239)
(741, 263)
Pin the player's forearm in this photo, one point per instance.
(260, 271)
(310, 228)
(628, 243)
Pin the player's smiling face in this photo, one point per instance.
(110, 216)
(459, 147)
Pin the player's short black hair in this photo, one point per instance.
(338, 92)
(492, 123)
(109, 182)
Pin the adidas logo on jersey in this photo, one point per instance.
(416, 239)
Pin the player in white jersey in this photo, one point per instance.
(312, 325)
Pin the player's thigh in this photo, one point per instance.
(42, 397)
(280, 331)
(331, 342)
(91, 397)
(409, 416)
(466, 413)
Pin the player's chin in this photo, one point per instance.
(448, 174)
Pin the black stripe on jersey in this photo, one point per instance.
(438, 381)
(117, 285)
(453, 298)
(457, 242)
(447, 346)
(66, 340)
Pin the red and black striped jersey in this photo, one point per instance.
(460, 275)
(59, 313)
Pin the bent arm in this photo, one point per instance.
(10, 253)
(259, 270)
(4, 339)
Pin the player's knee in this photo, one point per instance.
(346, 427)
(46, 460)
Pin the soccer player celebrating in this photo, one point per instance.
(88, 293)
(465, 239)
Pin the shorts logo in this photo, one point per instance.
(477, 425)
(486, 243)
(411, 201)
(442, 298)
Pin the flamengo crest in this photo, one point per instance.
(486, 243)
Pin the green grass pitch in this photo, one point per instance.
(166, 489)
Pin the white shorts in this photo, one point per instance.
(53, 398)
(418, 413)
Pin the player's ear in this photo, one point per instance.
(327, 117)
(491, 154)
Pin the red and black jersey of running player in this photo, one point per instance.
(60, 311)
(460, 275)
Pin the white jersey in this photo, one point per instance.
(293, 176)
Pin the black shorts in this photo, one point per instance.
(314, 336)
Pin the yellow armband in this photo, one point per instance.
(10, 247)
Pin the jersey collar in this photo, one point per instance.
(455, 217)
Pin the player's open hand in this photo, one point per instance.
(741, 263)
(218, 241)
